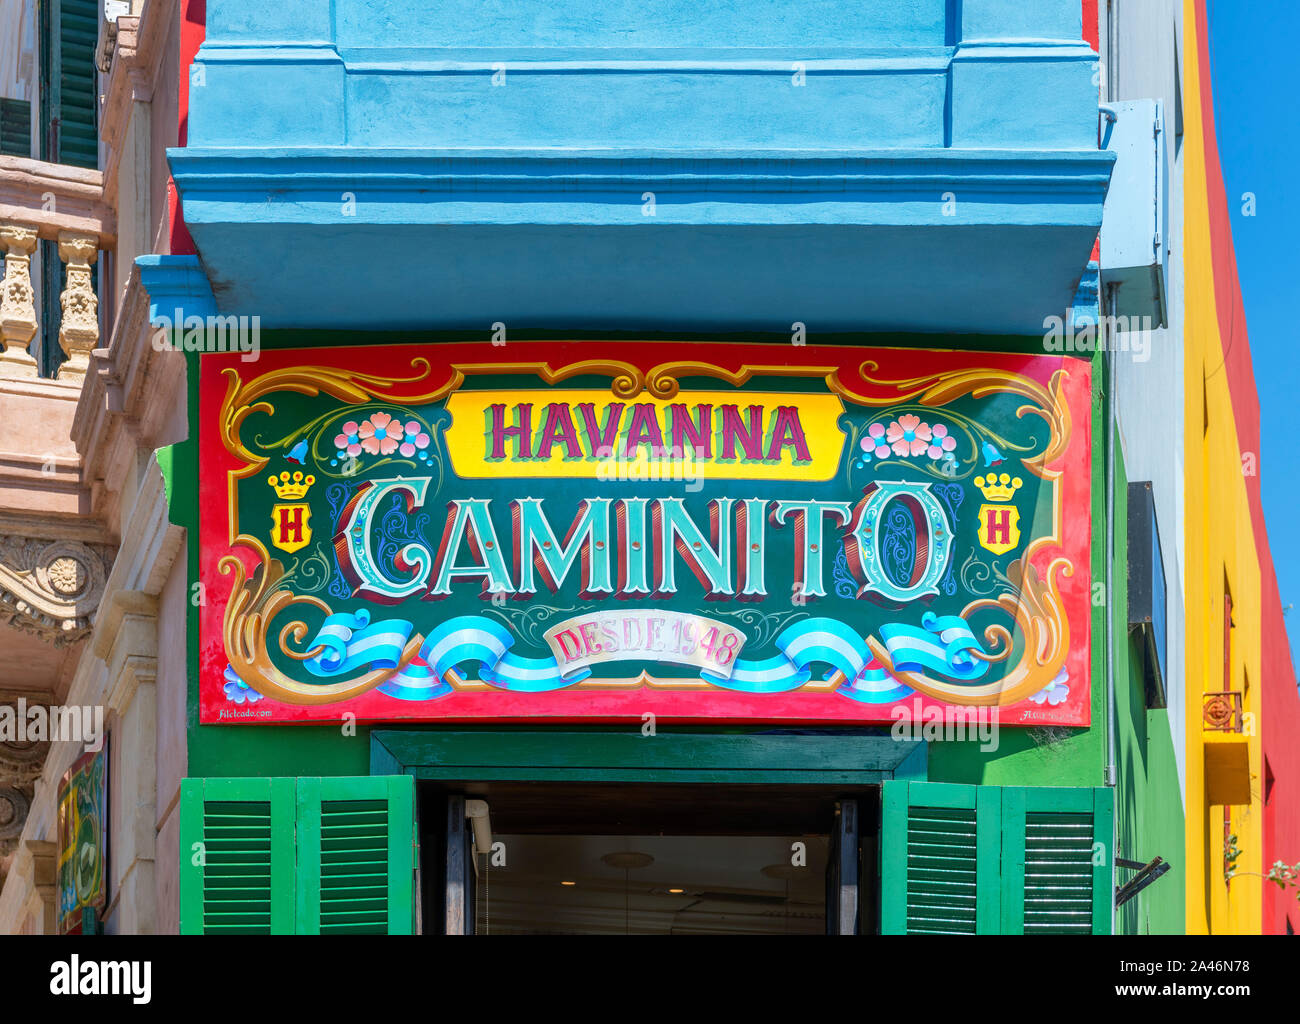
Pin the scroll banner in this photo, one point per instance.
(351, 642)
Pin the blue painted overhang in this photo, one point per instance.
(926, 165)
(929, 241)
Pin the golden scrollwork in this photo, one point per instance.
(246, 397)
(937, 389)
(254, 603)
(1036, 608)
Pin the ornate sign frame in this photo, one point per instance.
(981, 459)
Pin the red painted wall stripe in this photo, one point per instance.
(1280, 704)
(1091, 30)
(194, 16)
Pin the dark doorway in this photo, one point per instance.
(615, 859)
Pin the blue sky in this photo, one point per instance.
(1252, 62)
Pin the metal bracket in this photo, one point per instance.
(1146, 874)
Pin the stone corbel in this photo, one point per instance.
(51, 588)
(38, 865)
(127, 642)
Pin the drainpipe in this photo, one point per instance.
(1112, 729)
(1110, 419)
(1112, 740)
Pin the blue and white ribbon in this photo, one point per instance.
(778, 674)
(352, 642)
(811, 642)
(873, 685)
(473, 639)
(943, 645)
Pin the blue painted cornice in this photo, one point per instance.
(934, 240)
(175, 283)
(708, 187)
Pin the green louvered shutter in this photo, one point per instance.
(69, 30)
(237, 856)
(306, 856)
(1057, 862)
(356, 858)
(15, 127)
(989, 859)
(939, 849)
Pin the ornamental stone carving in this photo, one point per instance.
(17, 306)
(79, 332)
(52, 588)
(15, 801)
(14, 804)
(21, 761)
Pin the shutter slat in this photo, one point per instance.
(237, 838)
(941, 857)
(354, 866)
(1058, 876)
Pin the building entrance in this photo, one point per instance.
(614, 859)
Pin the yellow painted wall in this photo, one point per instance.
(1219, 542)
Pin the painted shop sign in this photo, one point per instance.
(582, 530)
(83, 839)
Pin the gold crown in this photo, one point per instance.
(290, 487)
(999, 487)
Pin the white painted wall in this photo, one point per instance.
(1145, 65)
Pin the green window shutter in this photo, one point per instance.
(356, 860)
(990, 859)
(15, 127)
(1057, 863)
(237, 856)
(306, 856)
(939, 850)
(69, 86)
(78, 134)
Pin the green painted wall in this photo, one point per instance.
(1053, 756)
(1071, 757)
(1148, 810)
(1148, 807)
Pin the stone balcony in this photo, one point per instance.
(61, 204)
(54, 553)
(51, 563)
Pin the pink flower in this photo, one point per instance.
(381, 434)
(874, 442)
(349, 441)
(415, 439)
(908, 435)
(941, 441)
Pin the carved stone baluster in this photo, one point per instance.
(80, 331)
(17, 309)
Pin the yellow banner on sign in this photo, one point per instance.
(699, 435)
